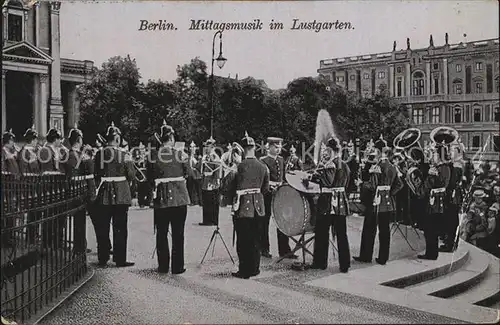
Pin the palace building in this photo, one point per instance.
(38, 86)
(452, 84)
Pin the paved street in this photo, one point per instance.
(208, 293)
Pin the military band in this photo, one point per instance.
(211, 171)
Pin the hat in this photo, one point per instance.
(274, 140)
(210, 141)
(124, 143)
(350, 144)
(53, 134)
(7, 136)
(30, 134)
(236, 147)
(141, 146)
(247, 141)
(166, 131)
(479, 193)
(74, 133)
(333, 143)
(380, 143)
(292, 149)
(112, 131)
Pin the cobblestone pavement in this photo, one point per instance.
(208, 294)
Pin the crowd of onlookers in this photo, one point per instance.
(481, 223)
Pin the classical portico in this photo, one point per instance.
(38, 86)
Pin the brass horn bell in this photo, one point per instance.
(408, 141)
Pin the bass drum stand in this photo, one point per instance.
(300, 244)
(216, 234)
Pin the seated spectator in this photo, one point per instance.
(475, 226)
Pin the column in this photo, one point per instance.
(56, 108)
(408, 79)
(37, 22)
(5, 25)
(445, 75)
(391, 80)
(44, 92)
(73, 107)
(4, 103)
(427, 78)
(37, 102)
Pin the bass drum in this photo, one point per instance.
(291, 211)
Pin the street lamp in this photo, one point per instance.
(221, 60)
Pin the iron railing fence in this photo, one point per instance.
(42, 241)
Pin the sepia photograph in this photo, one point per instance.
(250, 162)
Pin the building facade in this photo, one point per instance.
(38, 86)
(454, 84)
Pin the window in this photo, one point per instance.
(479, 87)
(497, 114)
(418, 116)
(497, 85)
(398, 69)
(340, 79)
(418, 83)
(477, 114)
(435, 115)
(476, 141)
(457, 88)
(458, 115)
(352, 77)
(366, 76)
(381, 75)
(496, 65)
(436, 86)
(458, 68)
(496, 143)
(399, 88)
(479, 66)
(15, 27)
(436, 66)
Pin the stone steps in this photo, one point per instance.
(458, 281)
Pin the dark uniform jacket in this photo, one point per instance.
(434, 188)
(167, 174)
(247, 187)
(276, 169)
(82, 166)
(294, 163)
(333, 180)
(28, 160)
(112, 162)
(211, 170)
(195, 166)
(454, 192)
(52, 159)
(9, 162)
(385, 183)
(365, 193)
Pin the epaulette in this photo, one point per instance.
(375, 169)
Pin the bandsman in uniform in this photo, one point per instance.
(194, 181)
(434, 190)
(9, 167)
(385, 184)
(247, 186)
(275, 164)
(352, 163)
(53, 155)
(114, 172)
(211, 170)
(333, 207)
(167, 176)
(293, 162)
(29, 166)
(142, 187)
(454, 198)
(402, 198)
(80, 166)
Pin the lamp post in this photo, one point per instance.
(220, 63)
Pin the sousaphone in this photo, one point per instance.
(445, 136)
(408, 142)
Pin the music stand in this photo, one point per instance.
(216, 234)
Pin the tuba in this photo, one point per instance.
(444, 136)
(408, 143)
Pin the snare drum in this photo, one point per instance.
(291, 211)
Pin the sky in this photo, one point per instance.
(96, 31)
